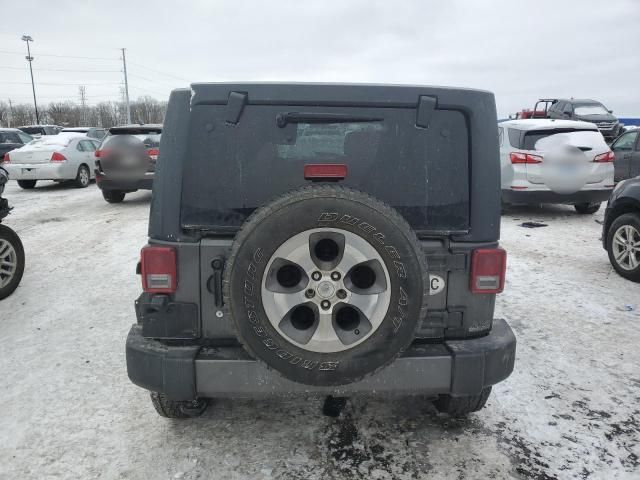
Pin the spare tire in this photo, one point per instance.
(326, 285)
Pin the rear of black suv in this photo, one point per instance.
(323, 238)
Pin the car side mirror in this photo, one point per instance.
(610, 111)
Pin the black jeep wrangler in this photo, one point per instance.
(318, 238)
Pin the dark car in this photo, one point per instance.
(621, 229)
(12, 138)
(39, 130)
(586, 111)
(92, 132)
(126, 160)
(627, 155)
(323, 238)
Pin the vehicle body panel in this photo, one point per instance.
(627, 151)
(33, 161)
(565, 172)
(127, 158)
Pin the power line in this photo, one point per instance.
(145, 89)
(158, 71)
(166, 82)
(62, 70)
(8, 52)
(61, 84)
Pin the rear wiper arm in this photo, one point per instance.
(283, 119)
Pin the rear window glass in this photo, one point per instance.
(532, 137)
(233, 169)
(9, 137)
(33, 130)
(149, 140)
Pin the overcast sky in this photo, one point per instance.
(521, 50)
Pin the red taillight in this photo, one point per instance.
(327, 171)
(153, 153)
(605, 157)
(101, 153)
(158, 269)
(488, 267)
(517, 157)
(6, 158)
(58, 157)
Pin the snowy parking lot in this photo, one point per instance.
(571, 409)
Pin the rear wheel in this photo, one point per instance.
(587, 208)
(27, 184)
(462, 406)
(326, 285)
(113, 196)
(177, 408)
(83, 178)
(623, 246)
(11, 261)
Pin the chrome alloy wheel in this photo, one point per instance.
(8, 262)
(626, 247)
(84, 175)
(326, 290)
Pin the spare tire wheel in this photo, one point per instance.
(326, 285)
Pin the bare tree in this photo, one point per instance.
(72, 114)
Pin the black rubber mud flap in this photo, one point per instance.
(336, 209)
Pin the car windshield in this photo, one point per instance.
(590, 109)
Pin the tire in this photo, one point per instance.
(83, 178)
(27, 184)
(113, 196)
(359, 334)
(625, 228)
(587, 208)
(462, 406)
(11, 252)
(177, 409)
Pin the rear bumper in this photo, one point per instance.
(41, 171)
(547, 196)
(460, 367)
(106, 182)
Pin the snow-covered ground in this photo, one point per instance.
(570, 410)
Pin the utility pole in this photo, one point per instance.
(126, 85)
(83, 104)
(27, 38)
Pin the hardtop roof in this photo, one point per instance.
(333, 93)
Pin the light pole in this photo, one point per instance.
(27, 38)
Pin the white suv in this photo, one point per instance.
(555, 161)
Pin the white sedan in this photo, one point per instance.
(62, 157)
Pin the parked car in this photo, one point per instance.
(91, 132)
(587, 111)
(66, 156)
(555, 161)
(294, 219)
(126, 160)
(627, 151)
(11, 249)
(621, 229)
(12, 138)
(41, 130)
